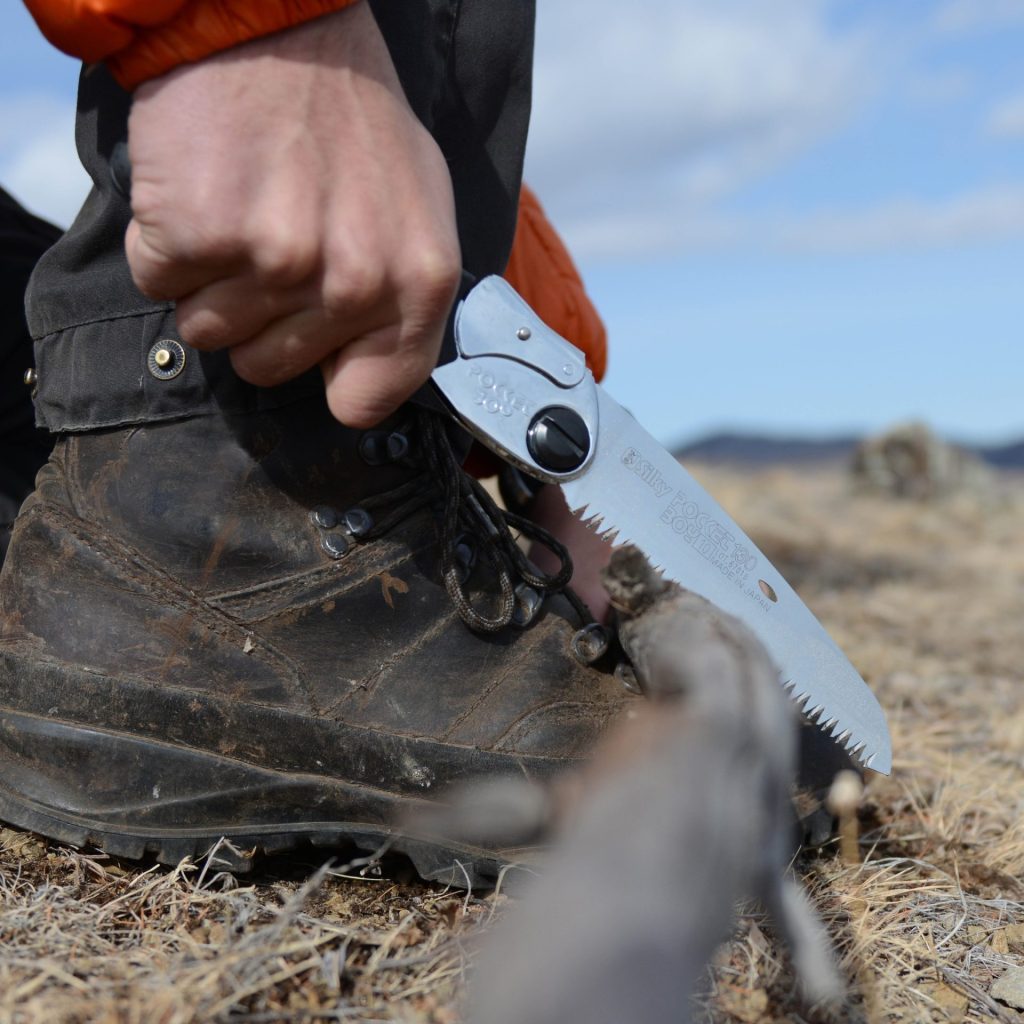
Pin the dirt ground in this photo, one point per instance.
(927, 601)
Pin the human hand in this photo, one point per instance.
(287, 198)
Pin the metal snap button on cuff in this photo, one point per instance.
(166, 359)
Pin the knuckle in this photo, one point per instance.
(435, 275)
(360, 411)
(252, 369)
(281, 257)
(166, 262)
(203, 328)
(279, 355)
(353, 288)
(150, 269)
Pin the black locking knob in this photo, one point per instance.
(558, 439)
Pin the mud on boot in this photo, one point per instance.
(242, 627)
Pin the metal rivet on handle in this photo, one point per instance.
(524, 334)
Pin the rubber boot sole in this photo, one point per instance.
(169, 774)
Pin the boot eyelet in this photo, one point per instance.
(372, 448)
(397, 446)
(166, 359)
(324, 517)
(358, 522)
(379, 447)
(465, 557)
(590, 644)
(528, 605)
(626, 674)
(335, 544)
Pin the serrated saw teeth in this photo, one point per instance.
(630, 488)
(858, 751)
(815, 713)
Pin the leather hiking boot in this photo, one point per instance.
(243, 627)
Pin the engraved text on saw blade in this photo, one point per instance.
(497, 397)
(708, 537)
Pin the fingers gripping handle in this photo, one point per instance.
(121, 178)
(502, 373)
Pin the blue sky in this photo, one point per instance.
(795, 215)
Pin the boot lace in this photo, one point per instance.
(465, 507)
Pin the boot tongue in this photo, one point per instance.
(232, 499)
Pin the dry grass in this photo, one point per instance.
(86, 939)
(927, 600)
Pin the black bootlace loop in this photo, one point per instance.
(467, 507)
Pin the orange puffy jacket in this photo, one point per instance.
(142, 39)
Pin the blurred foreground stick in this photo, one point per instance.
(685, 811)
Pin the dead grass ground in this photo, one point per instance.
(927, 601)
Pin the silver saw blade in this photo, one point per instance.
(638, 491)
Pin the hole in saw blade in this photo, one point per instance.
(766, 589)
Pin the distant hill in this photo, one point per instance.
(1006, 456)
(758, 450)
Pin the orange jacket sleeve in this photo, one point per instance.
(542, 271)
(141, 39)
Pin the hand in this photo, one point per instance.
(287, 198)
(589, 551)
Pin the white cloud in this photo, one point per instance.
(1006, 119)
(38, 161)
(960, 16)
(981, 216)
(984, 215)
(639, 119)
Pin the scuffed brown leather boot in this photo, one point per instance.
(240, 627)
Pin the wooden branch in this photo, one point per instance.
(686, 811)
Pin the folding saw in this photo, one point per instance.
(527, 394)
